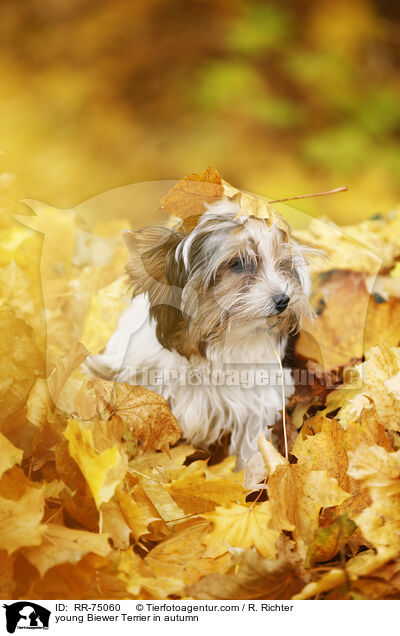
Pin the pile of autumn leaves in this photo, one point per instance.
(99, 499)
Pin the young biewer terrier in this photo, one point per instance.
(211, 312)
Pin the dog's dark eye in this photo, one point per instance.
(238, 265)
(246, 265)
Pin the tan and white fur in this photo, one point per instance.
(219, 299)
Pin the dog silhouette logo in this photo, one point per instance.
(26, 615)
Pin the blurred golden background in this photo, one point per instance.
(283, 97)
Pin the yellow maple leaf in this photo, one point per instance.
(357, 248)
(297, 494)
(242, 527)
(188, 196)
(106, 306)
(379, 471)
(9, 454)
(382, 365)
(195, 493)
(20, 521)
(102, 471)
(138, 576)
(65, 545)
(20, 361)
(138, 510)
(162, 501)
(184, 556)
(322, 341)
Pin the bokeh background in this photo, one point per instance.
(281, 97)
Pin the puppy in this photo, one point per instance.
(212, 309)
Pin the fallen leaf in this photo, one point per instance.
(184, 556)
(330, 539)
(195, 494)
(20, 521)
(38, 404)
(254, 578)
(9, 454)
(242, 527)
(380, 367)
(106, 306)
(114, 525)
(138, 510)
(322, 341)
(103, 471)
(145, 413)
(379, 471)
(138, 577)
(297, 494)
(61, 545)
(63, 367)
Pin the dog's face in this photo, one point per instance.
(227, 273)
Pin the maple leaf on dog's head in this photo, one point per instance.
(145, 413)
(187, 198)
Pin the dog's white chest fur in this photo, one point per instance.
(236, 388)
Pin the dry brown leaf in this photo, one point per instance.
(7, 580)
(114, 525)
(330, 539)
(365, 326)
(188, 196)
(297, 494)
(184, 556)
(382, 365)
(325, 343)
(255, 577)
(145, 413)
(379, 471)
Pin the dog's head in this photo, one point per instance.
(228, 273)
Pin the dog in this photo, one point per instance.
(212, 310)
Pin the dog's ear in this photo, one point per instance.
(154, 270)
(152, 264)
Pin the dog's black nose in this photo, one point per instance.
(281, 301)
